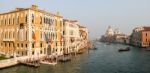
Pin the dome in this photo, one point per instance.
(110, 31)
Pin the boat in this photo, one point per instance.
(126, 49)
(147, 49)
(79, 52)
(108, 43)
(31, 63)
(65, 59)
(48, 63)
(95, 48)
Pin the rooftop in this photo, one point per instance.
(146, 28)
(33, 7)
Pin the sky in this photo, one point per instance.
(96, 15)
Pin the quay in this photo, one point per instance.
(14, 61)
(33, 61)
(28, 62)
(8, 63)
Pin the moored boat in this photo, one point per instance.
(49, 63)
(65, 59)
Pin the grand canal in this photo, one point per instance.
(106, 59)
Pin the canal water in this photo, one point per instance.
(106, 59)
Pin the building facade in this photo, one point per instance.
(30, 32)
(83, 37)
(140, 37)
(71, 36)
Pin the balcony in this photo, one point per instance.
(8, 39)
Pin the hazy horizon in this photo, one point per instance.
(96, 15)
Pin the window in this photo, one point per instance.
(13, 45)
(22, 53)
(13, 34)
(146, 34)
(21, 26)
(13, 21)
(5, 22)
(1, 44)
(26, 35)
(60, 23)
(41, 51)
(41, 35)
(56, 22)
(9, 22)
(9, 44)
(41, 20)
(41, 44)
(5, 35)
(49, 21)
(44, 20)
(18, 20)
(26, 45)
(32, 52)
(32, 45)
(63, 32)
(5, 44)
(9, 35)
(32, 18)
(1, 22)
(146, 39)
(26, 19)
(18, 44)
(56, 44)
(22, 45)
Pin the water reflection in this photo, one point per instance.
(106, 59)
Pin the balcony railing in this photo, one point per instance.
(8, 39)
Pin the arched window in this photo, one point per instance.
(26, 19)
(32, 18)
(21, 32)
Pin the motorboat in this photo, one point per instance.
(125, 49)
(147, 49)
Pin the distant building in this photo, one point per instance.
(109, 31)
(140, 37)
(113, 35)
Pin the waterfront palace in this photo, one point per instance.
(34, 32)
(140, 37)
